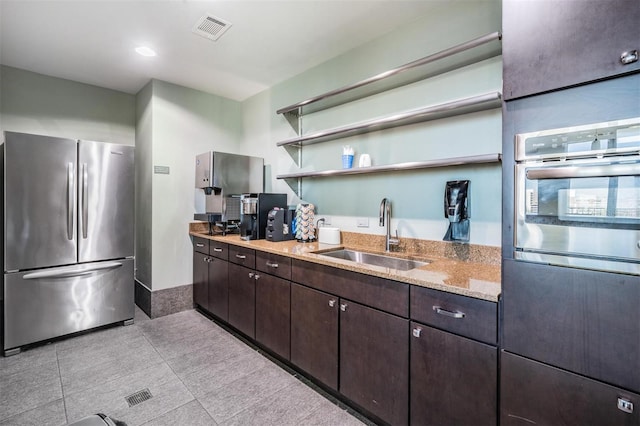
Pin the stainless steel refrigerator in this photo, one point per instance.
(68, 237)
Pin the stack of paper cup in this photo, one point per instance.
(347, 157)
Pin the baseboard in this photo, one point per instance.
(164, 302)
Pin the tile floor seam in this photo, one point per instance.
(64, 400)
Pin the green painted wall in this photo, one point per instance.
(40, 104)
(416, 195)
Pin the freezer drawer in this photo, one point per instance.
(47, 303)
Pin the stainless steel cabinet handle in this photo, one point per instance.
(416, 332)
(241, 256)
(625, 405)
(217, 250)
(272, 265)
(205, 259)
(257, 276)
(332, 303)
(343, 307)
(251, 274)
(199, 245)
(452, 314)
(629, 57)
(85, 199)
(70, 200)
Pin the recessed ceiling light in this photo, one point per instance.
(145, 51)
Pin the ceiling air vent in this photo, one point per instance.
(211, 27)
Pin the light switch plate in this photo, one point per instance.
(362, 222)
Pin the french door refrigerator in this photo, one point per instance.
(68, 237)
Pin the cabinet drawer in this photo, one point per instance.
(242, 256)
(380, 293)
(219, 250)
(201, 245)
(466, 316)
(274, 264)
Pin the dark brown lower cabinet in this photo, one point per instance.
(242, 299)
(314, 333)
(218, 288)
(454, 380)
(535, 393)
(374, 361)
(201, 280)
(273, 317)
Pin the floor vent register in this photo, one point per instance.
(138, 397)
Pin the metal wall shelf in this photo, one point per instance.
(454, 57)
(415, 165)
(457, 107)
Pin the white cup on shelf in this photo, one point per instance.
(364, 161)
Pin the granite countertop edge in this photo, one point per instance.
(440, 273)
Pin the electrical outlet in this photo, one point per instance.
(327, 220)
(362, 222)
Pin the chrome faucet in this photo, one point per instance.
(385, 214)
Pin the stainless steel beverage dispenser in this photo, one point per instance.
(224, 177)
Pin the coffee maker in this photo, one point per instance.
(254, 209)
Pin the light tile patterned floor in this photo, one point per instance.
(197, 372)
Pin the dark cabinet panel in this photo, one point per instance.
(534, 393)
(314, 333)
(242, 299)
(380, 293)
(273, 318)
(201, 280)
(242, 256)
(454, 380)
(584, 321)
(201, 245)
(551, 44)
(274, 264)
(374, 361)
(219, 250)
(218, 288)
(463, 315)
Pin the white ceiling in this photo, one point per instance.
(93, 41)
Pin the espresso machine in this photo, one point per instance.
(456, 209)
(254, 209)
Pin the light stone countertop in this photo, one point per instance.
(477, 279)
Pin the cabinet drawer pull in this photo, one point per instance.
(199, 245)
(417, 331)
(332, 303)
(629, 57)
(272, 265)
(452, 314)
(217, 250)
(256, 276)
(343, 307)
(241, 256)
(251, 274)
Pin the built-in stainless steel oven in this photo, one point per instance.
(578, 196)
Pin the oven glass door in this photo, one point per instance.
(582, 208)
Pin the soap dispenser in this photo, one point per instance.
(456, 209)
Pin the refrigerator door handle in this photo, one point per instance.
(85, 200)
(70, 200)
(71, 272)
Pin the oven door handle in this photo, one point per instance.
(610, 170)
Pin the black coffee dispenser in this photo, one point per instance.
(254, 209)
(456, 209)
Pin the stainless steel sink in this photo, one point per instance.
(374, 259)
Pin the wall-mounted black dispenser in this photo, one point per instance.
(456, 209)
